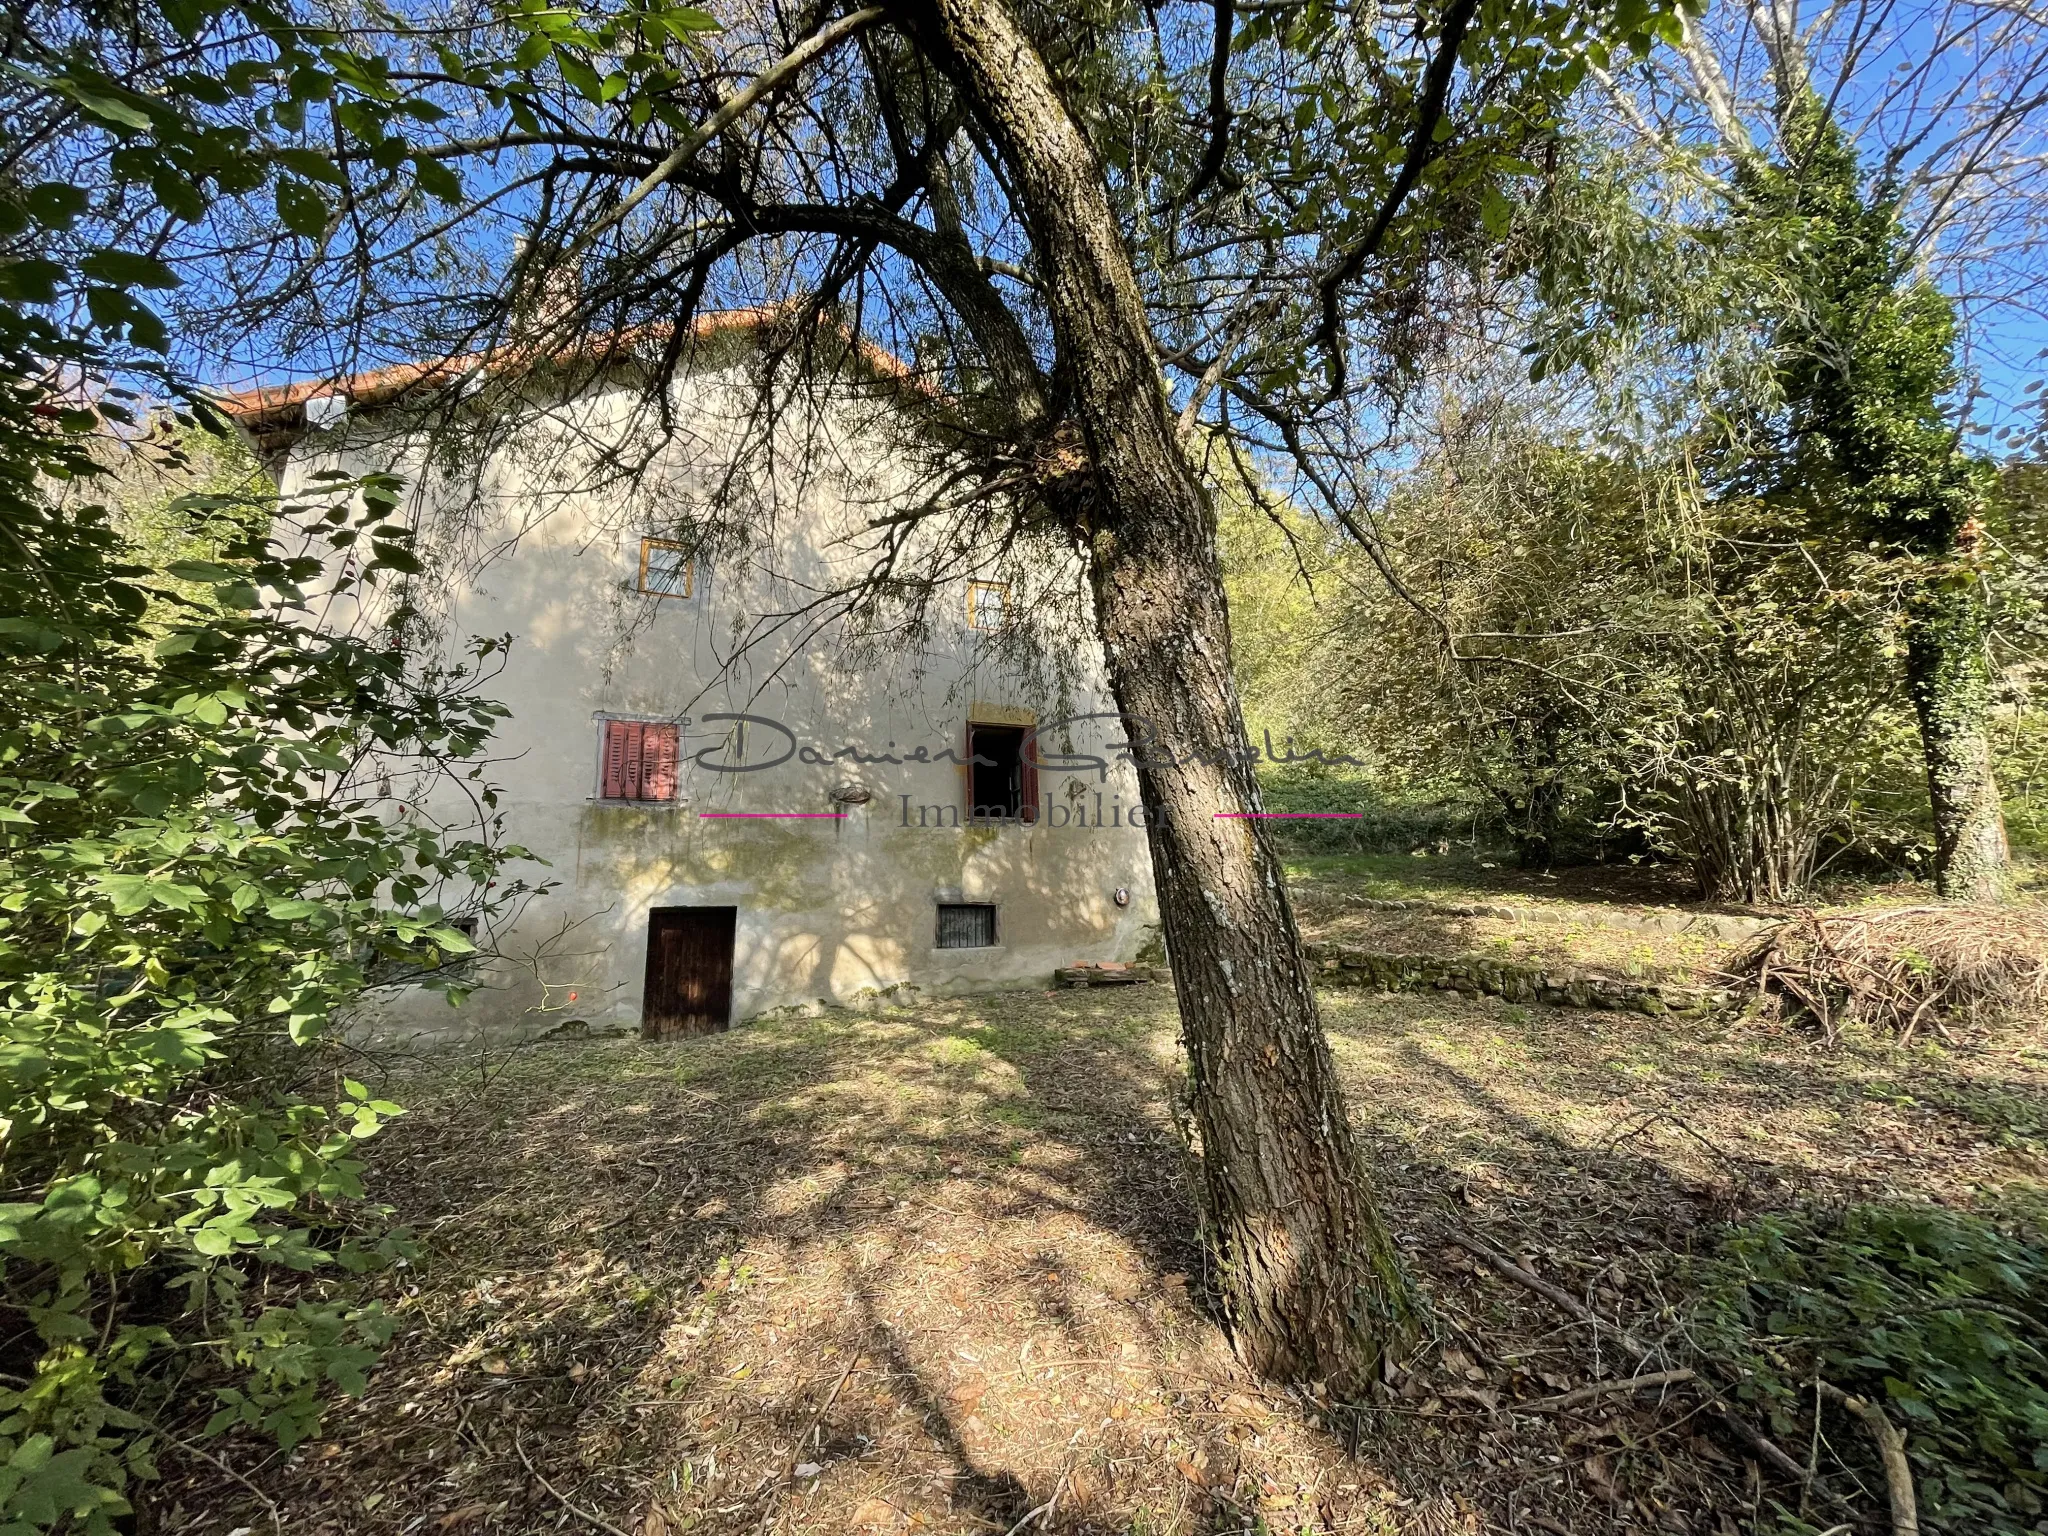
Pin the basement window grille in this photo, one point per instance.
(966, 925)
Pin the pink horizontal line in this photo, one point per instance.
(1285, 815)
(763, 815)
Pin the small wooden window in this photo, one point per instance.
(638, 761)
(666, 568)
(988, 604)
(966, 925)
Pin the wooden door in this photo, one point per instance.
(689, 971)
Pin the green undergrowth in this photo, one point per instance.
(1395, 876)
(1372, 823)
(1939, 1318)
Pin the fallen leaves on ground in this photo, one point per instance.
(933, 1270)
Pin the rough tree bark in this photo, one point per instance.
(1310, 1283)
(1948, 671)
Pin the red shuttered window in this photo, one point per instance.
(639, 761)
(1001, 773)
(658, 764)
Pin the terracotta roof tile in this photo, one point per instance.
(270, 407)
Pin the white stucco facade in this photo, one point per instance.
(837, 908)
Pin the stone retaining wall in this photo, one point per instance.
(1340, 965)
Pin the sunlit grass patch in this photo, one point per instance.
(655, 1262)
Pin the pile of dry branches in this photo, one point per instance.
(1901, 969)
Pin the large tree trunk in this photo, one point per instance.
(1310, 1284)
(1948, 671)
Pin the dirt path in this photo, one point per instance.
(934, 1271)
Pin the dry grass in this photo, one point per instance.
(931, 1271)
(1901, 969)
(1578, 942)
(1593, 920)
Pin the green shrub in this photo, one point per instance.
(1385, 825)
(197, 869)
(198, 863)
(1938, 1317)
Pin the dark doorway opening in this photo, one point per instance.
(689, 971)
(1003, 784)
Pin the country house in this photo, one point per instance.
(745, 802)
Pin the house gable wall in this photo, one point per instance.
(830, 911)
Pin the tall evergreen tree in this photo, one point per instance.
(1862, 444)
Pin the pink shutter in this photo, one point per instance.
(635, 734)
(658, 771)
(614, 760)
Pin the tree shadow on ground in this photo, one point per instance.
(931, 1271)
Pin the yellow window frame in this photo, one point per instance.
(648, 546)
(975, 589)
